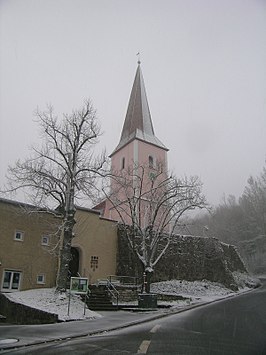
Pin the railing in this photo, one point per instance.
(114, 281)
(128, 281)
(112, 291)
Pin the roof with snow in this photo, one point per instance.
(138, 123)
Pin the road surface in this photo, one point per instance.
(234, 326)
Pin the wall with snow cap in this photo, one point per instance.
(17, 313)
(188, 258)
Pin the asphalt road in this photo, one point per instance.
(235, 326)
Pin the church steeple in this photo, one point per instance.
(138, 122)
(138, 147)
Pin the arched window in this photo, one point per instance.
(151, 162)
(123, 163)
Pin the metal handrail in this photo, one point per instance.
(124, 280)
(113, 291)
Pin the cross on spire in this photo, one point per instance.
(138, 55)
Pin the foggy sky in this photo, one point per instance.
(203, 63)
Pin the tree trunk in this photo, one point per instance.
(65, 256)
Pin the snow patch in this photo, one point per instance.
(245, 280)
(203, 291)
(193, 290)
(46, 299)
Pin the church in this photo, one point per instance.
(29, 247)
(28, 244)
(138, 145)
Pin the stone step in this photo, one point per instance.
(100, 299)
(98, 307)
(99, 295)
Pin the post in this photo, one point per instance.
(85, 305)
(144, 282)
(68, 308)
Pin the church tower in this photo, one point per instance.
(138, 145)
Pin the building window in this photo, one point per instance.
(41, 279)
(11, 280)
(45, 240)
(94, 262)
(151, 162)
(123, 162)
(19, 236)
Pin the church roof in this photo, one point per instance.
(138, 123)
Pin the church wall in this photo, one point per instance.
(126, 152)
(146, 150)
(136, 152)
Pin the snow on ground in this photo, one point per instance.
(203, 291)
(195, 291)
(245, 280)
(46, 299)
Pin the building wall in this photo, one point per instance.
(96, 240)
(135, 153)
(126, 152)
(145, 150)
(28, 256)
(138, 152)
(95, 237)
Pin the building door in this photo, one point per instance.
(11, 280)
(74, 263)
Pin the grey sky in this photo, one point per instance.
(203, 63)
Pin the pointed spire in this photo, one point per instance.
(138, 122)
(138, 114)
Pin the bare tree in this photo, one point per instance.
(64, 169)
(234, 221)
(151, 203)
(253, 202)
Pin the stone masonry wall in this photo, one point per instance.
(189, 258)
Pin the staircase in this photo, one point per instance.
(100, 299)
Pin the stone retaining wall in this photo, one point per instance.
(127, 294)
(187, 258)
